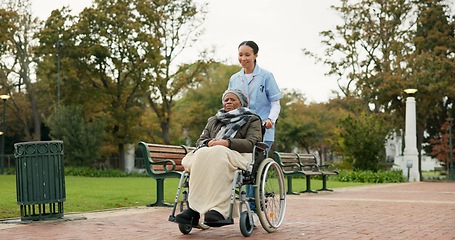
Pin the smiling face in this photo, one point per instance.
(231, 102)
(246, 58)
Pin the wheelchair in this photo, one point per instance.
(267, 179)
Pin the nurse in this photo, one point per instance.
(263, 96)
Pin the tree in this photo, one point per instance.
(367, 51)
(82, 138)
(295, 129)
(433, 68)
(117, 56)
(176, 28)
(16, 64)
(56, 46)
(107, 54)
(374, 55)
(441, 144)
(361, 141)
(201, 102)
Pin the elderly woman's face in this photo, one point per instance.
(231, 102)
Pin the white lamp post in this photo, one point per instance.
(410, 150)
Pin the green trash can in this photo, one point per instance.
(40, 179)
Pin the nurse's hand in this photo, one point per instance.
(268, 124)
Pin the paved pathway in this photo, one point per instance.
(421, 210)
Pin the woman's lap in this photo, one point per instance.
(212, 172)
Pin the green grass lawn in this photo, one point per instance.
(88, 194)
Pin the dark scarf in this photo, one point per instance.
(234, 120)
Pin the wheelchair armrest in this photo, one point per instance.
(262, 146)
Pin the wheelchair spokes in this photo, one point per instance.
(271, 195)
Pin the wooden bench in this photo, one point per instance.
(293, 164)
(326, 170)
(161, 162)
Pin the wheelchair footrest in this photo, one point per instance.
(220, 223)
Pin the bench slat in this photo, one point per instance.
(160, 152)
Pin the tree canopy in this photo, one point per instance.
(384, 47)
(117, 58)
(111, 71)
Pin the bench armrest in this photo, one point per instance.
(294, 166)
(165, 164)
(314, 167)
(328, 167)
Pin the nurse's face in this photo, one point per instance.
(246, 57)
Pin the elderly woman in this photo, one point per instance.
(228, 140)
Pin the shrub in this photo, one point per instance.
(391, 176)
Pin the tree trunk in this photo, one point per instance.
(36, 117)
(419, 149)
(121, 156)
(165, 132)
(31, 95)
(25, 62)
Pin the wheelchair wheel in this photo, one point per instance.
(245, 226)
(185, 228)
(270, 195)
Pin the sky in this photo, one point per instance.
(280, 28)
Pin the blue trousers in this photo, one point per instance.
(250, 189)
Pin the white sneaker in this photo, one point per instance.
(255, 219)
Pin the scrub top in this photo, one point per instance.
(261, 90)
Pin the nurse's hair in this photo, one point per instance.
(250, 44)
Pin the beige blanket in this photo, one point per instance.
(212, 172)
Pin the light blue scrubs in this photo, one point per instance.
(261, 90)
